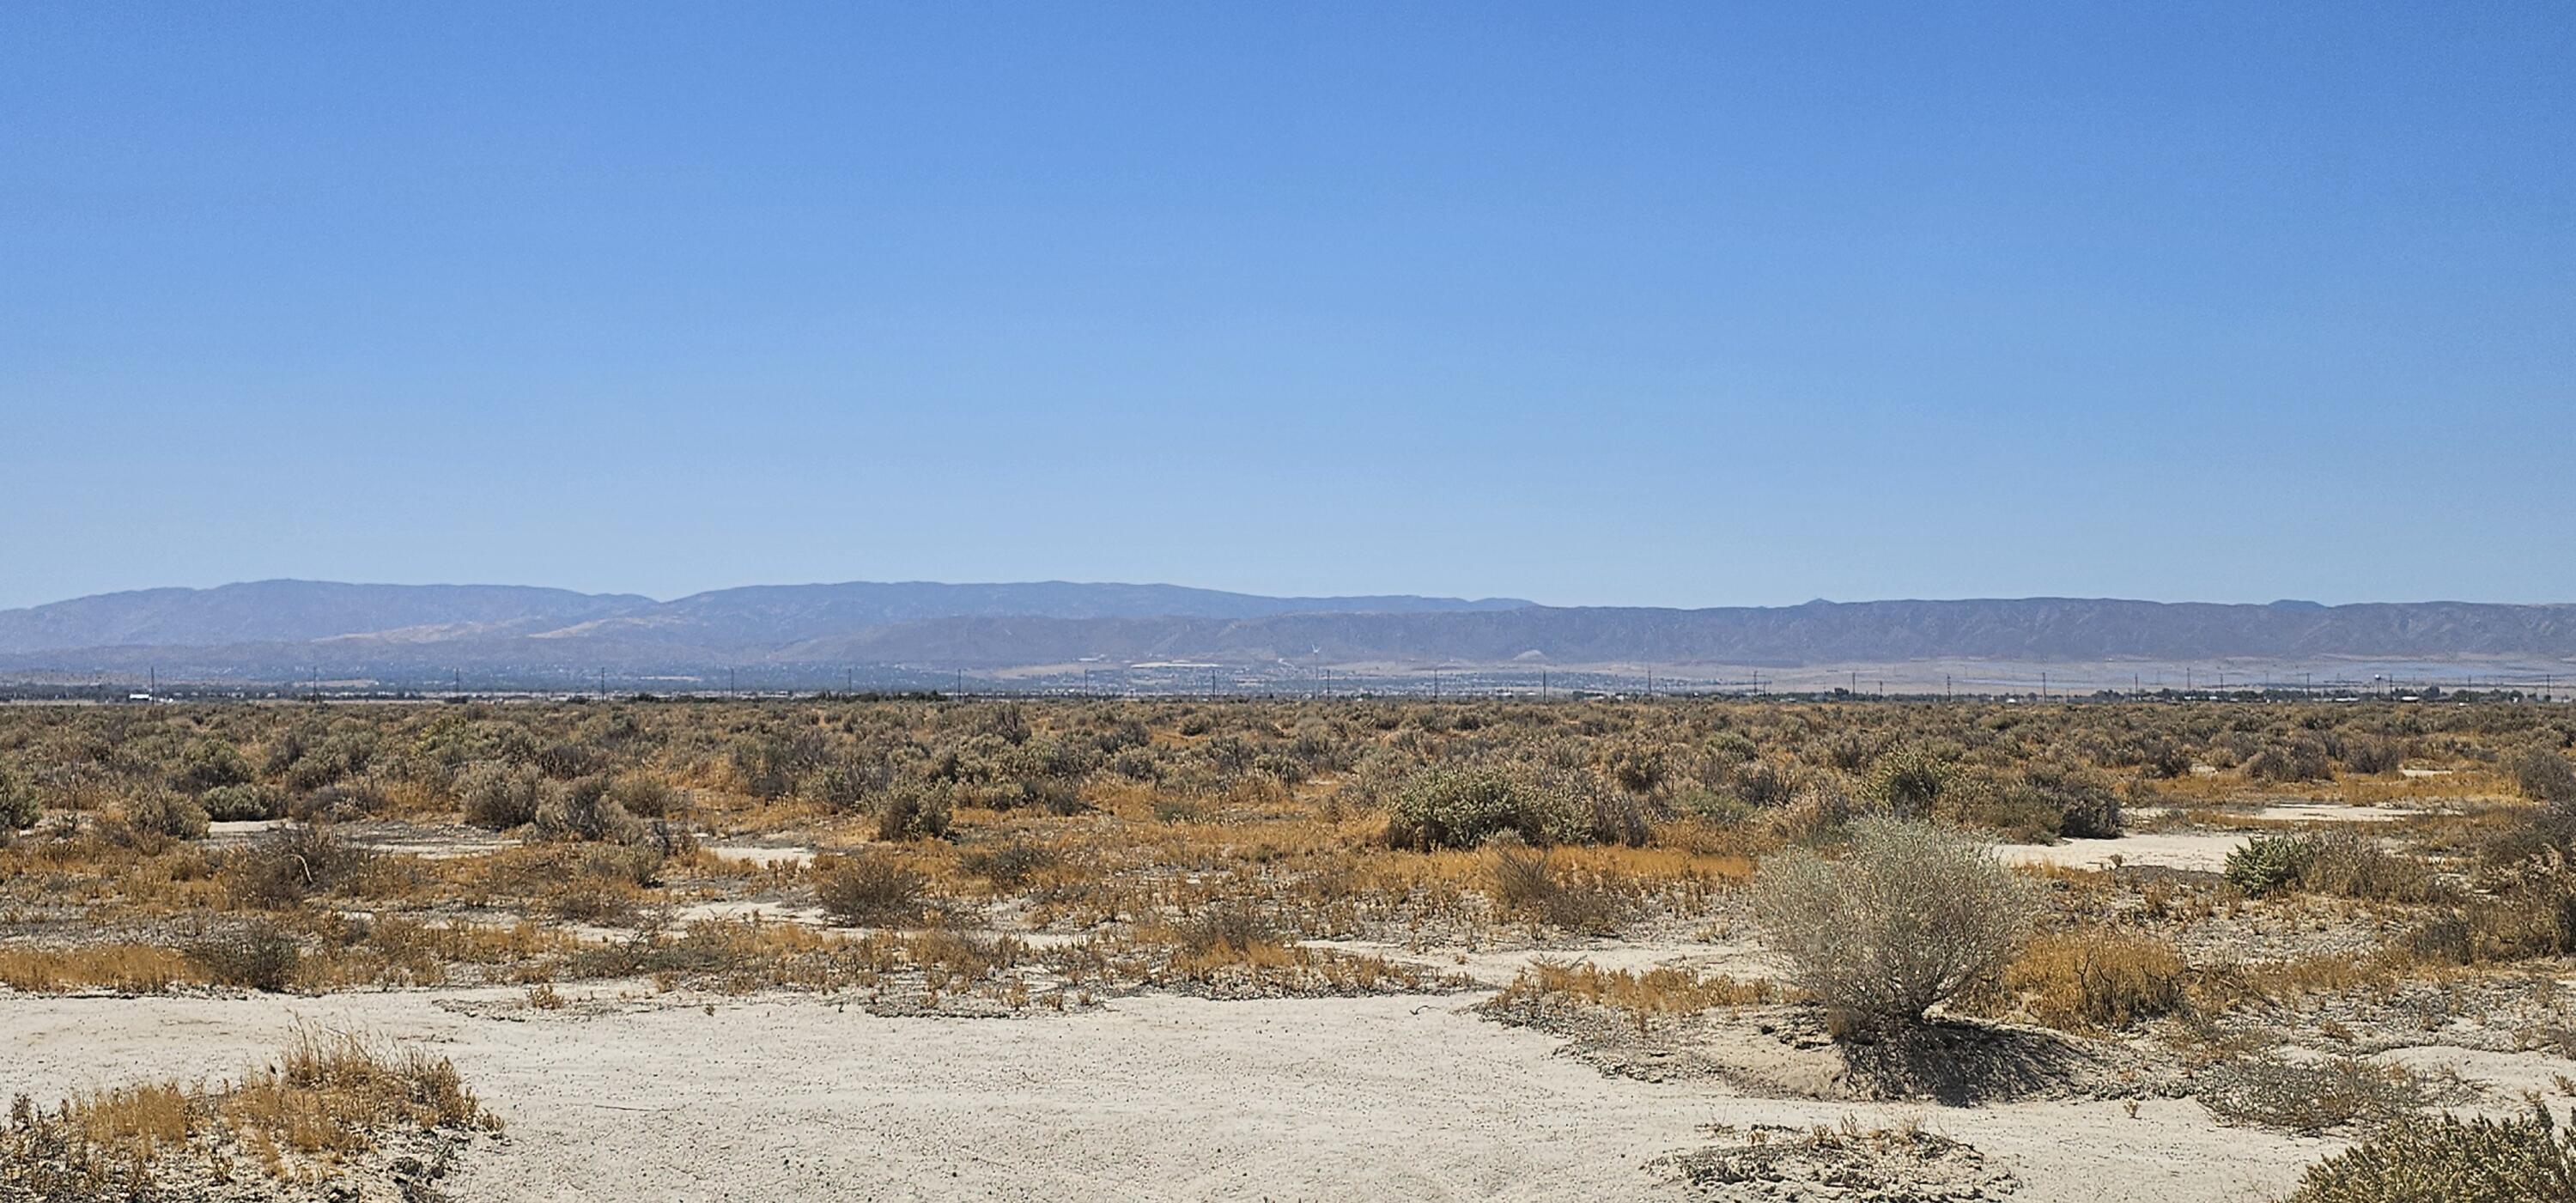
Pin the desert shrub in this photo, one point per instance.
(1912, 783)
(582, 810)
(2309, 1096)
(870, 889)
(1526, 884)
(498, 796)
(1229, 926)
(2544, 776)
(1009, 865)
(911, 812)
(2527, 911)
(1444, 807)
(2443, 1159)
(644, 795)
(2087, 806)
(1819, 813)
(348, 798)
(210, 764)
(257, 955)
(2340, 862)
(2375, 755)
(2297, 760)
(164, 811)
(1765, 783)
(2092, 980)
(1639, 768)
(291, 863)
(19, 808)
(2268, 863)
(1911, 915)
(2352, 865)
(235, 803)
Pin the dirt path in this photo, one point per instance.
(1153, 1097)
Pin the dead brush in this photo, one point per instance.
(2310, 1096)
(1525, 884)
(870, 889)
(124, 968)
(1662, 991)
(326, 1097)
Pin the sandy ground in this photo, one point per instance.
(1152, 1097)
(2172, 850)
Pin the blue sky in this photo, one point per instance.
(1683, 304)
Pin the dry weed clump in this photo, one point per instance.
(1527, 884)
(2098, 979)
(2310, 1096)
(124, 968)
(870, 889)
(327, 1099)
(1658, 992)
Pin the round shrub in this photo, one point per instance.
(1913, 914)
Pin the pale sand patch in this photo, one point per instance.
(1741, 959)
(2172, 850)
(1151, 1097)
(2329, 812)
(763, 856)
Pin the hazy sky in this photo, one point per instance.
(1675, 304)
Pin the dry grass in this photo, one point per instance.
(2097, 979)
(124, 968)
(326, 1098)
(1663, 991)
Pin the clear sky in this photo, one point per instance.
(1673, 304)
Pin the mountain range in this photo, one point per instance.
(281, 630)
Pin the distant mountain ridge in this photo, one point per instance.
(282, 630)
(291, 611)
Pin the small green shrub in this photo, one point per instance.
(19, 809)
(165, 811)
(246, 801)
(2269, 863)
(2443, 1159)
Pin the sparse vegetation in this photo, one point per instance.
(912, 857)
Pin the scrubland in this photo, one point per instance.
(901, 948)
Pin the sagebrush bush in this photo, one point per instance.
(19, 808)
(1913, 914)
(870, 889)
(164, 811)
(911, 812)
(236, 803)
(582, 810)
(1525, 883)
(1463, 807)
(2544, 776)
(2443, 1159)
(498, 796)
(283, 867)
